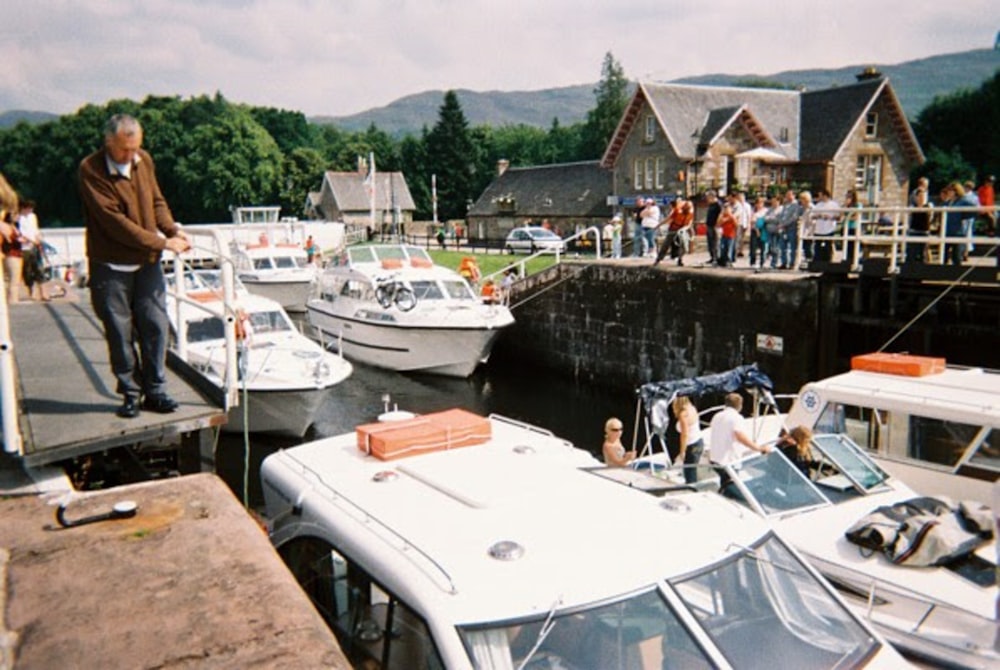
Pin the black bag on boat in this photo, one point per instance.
(921, 531)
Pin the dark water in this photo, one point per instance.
(574, 412)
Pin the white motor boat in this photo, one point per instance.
(279, 271)
(929, 584)
(453, 541)
(284, 376)
(390, 306)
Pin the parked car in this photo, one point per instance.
(530, 239)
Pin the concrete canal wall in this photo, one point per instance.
(619, 325)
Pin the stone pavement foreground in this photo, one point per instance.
(191, 581)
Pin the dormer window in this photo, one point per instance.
(871, 124)
(650, 128)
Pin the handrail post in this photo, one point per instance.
(231, 388)
(13, 442)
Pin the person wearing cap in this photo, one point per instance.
(614, 453)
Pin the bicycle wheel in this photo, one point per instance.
(405, 299)
(384, 296)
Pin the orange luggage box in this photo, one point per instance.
(898, 364)
(449, 429)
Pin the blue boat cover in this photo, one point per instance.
(745, 376)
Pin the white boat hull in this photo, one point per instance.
(284, 413)
(290, 294)
(450, 351)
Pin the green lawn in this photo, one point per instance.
(491, 263)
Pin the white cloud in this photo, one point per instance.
(337, 57)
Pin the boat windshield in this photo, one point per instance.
(289, 262)
(765, 598)
(426, 290)
(458, 290)
(852, 462)
(757, 598)
(771, 484)
(213, 328)
(639, 631)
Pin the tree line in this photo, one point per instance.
(212, 154)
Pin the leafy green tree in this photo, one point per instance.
(413, 163)
(963, 126)
(612, 97)
(302, 172)
(230, 161)
(289, 129)
(451, 155)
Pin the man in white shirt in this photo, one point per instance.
(651, 219)
(825, 215)
(729, 439)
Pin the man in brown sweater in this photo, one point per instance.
(129, 225)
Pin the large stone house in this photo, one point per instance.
(347, 197)
(676, 138)
(568, 196)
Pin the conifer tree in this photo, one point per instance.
(451, 155)
(612, 96)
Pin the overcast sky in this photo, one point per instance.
(338, 57)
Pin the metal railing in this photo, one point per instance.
(885, 232)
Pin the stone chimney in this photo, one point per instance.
(869, 72)
(502, 166)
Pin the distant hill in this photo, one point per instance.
(916, 82)
(15, 116)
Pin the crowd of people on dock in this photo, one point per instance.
(782, 231)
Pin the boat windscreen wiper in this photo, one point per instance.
(542, 633)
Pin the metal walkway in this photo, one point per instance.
(67, 392)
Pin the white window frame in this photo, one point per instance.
(649, 173)
(871, 124)
(637, 179)
(650, 134)
(661, 168)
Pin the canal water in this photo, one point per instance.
(574, 412)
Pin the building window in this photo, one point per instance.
(783, 135)
(871, 124)
(637, 174)
(649, 173)
(650, 128)
(661, 169)
(868, 176)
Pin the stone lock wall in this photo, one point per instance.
(619, 327)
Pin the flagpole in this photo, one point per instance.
(372, 189)
(434, 197)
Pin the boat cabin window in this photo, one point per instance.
(375, 629)
(203, 330)
(458, 290)
(765, 598)
(640, 631)
(268, 322)
(426, 290)
(353, 288)
(362, 255)
(901, 435)
(288, 262)
(262, 264)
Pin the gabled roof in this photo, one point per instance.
(352, 195)
(818, 123)
(691, 115)
(564, 189)
(831, 115)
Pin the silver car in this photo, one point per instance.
(531, 239)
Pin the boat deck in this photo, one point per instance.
(67, 393)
